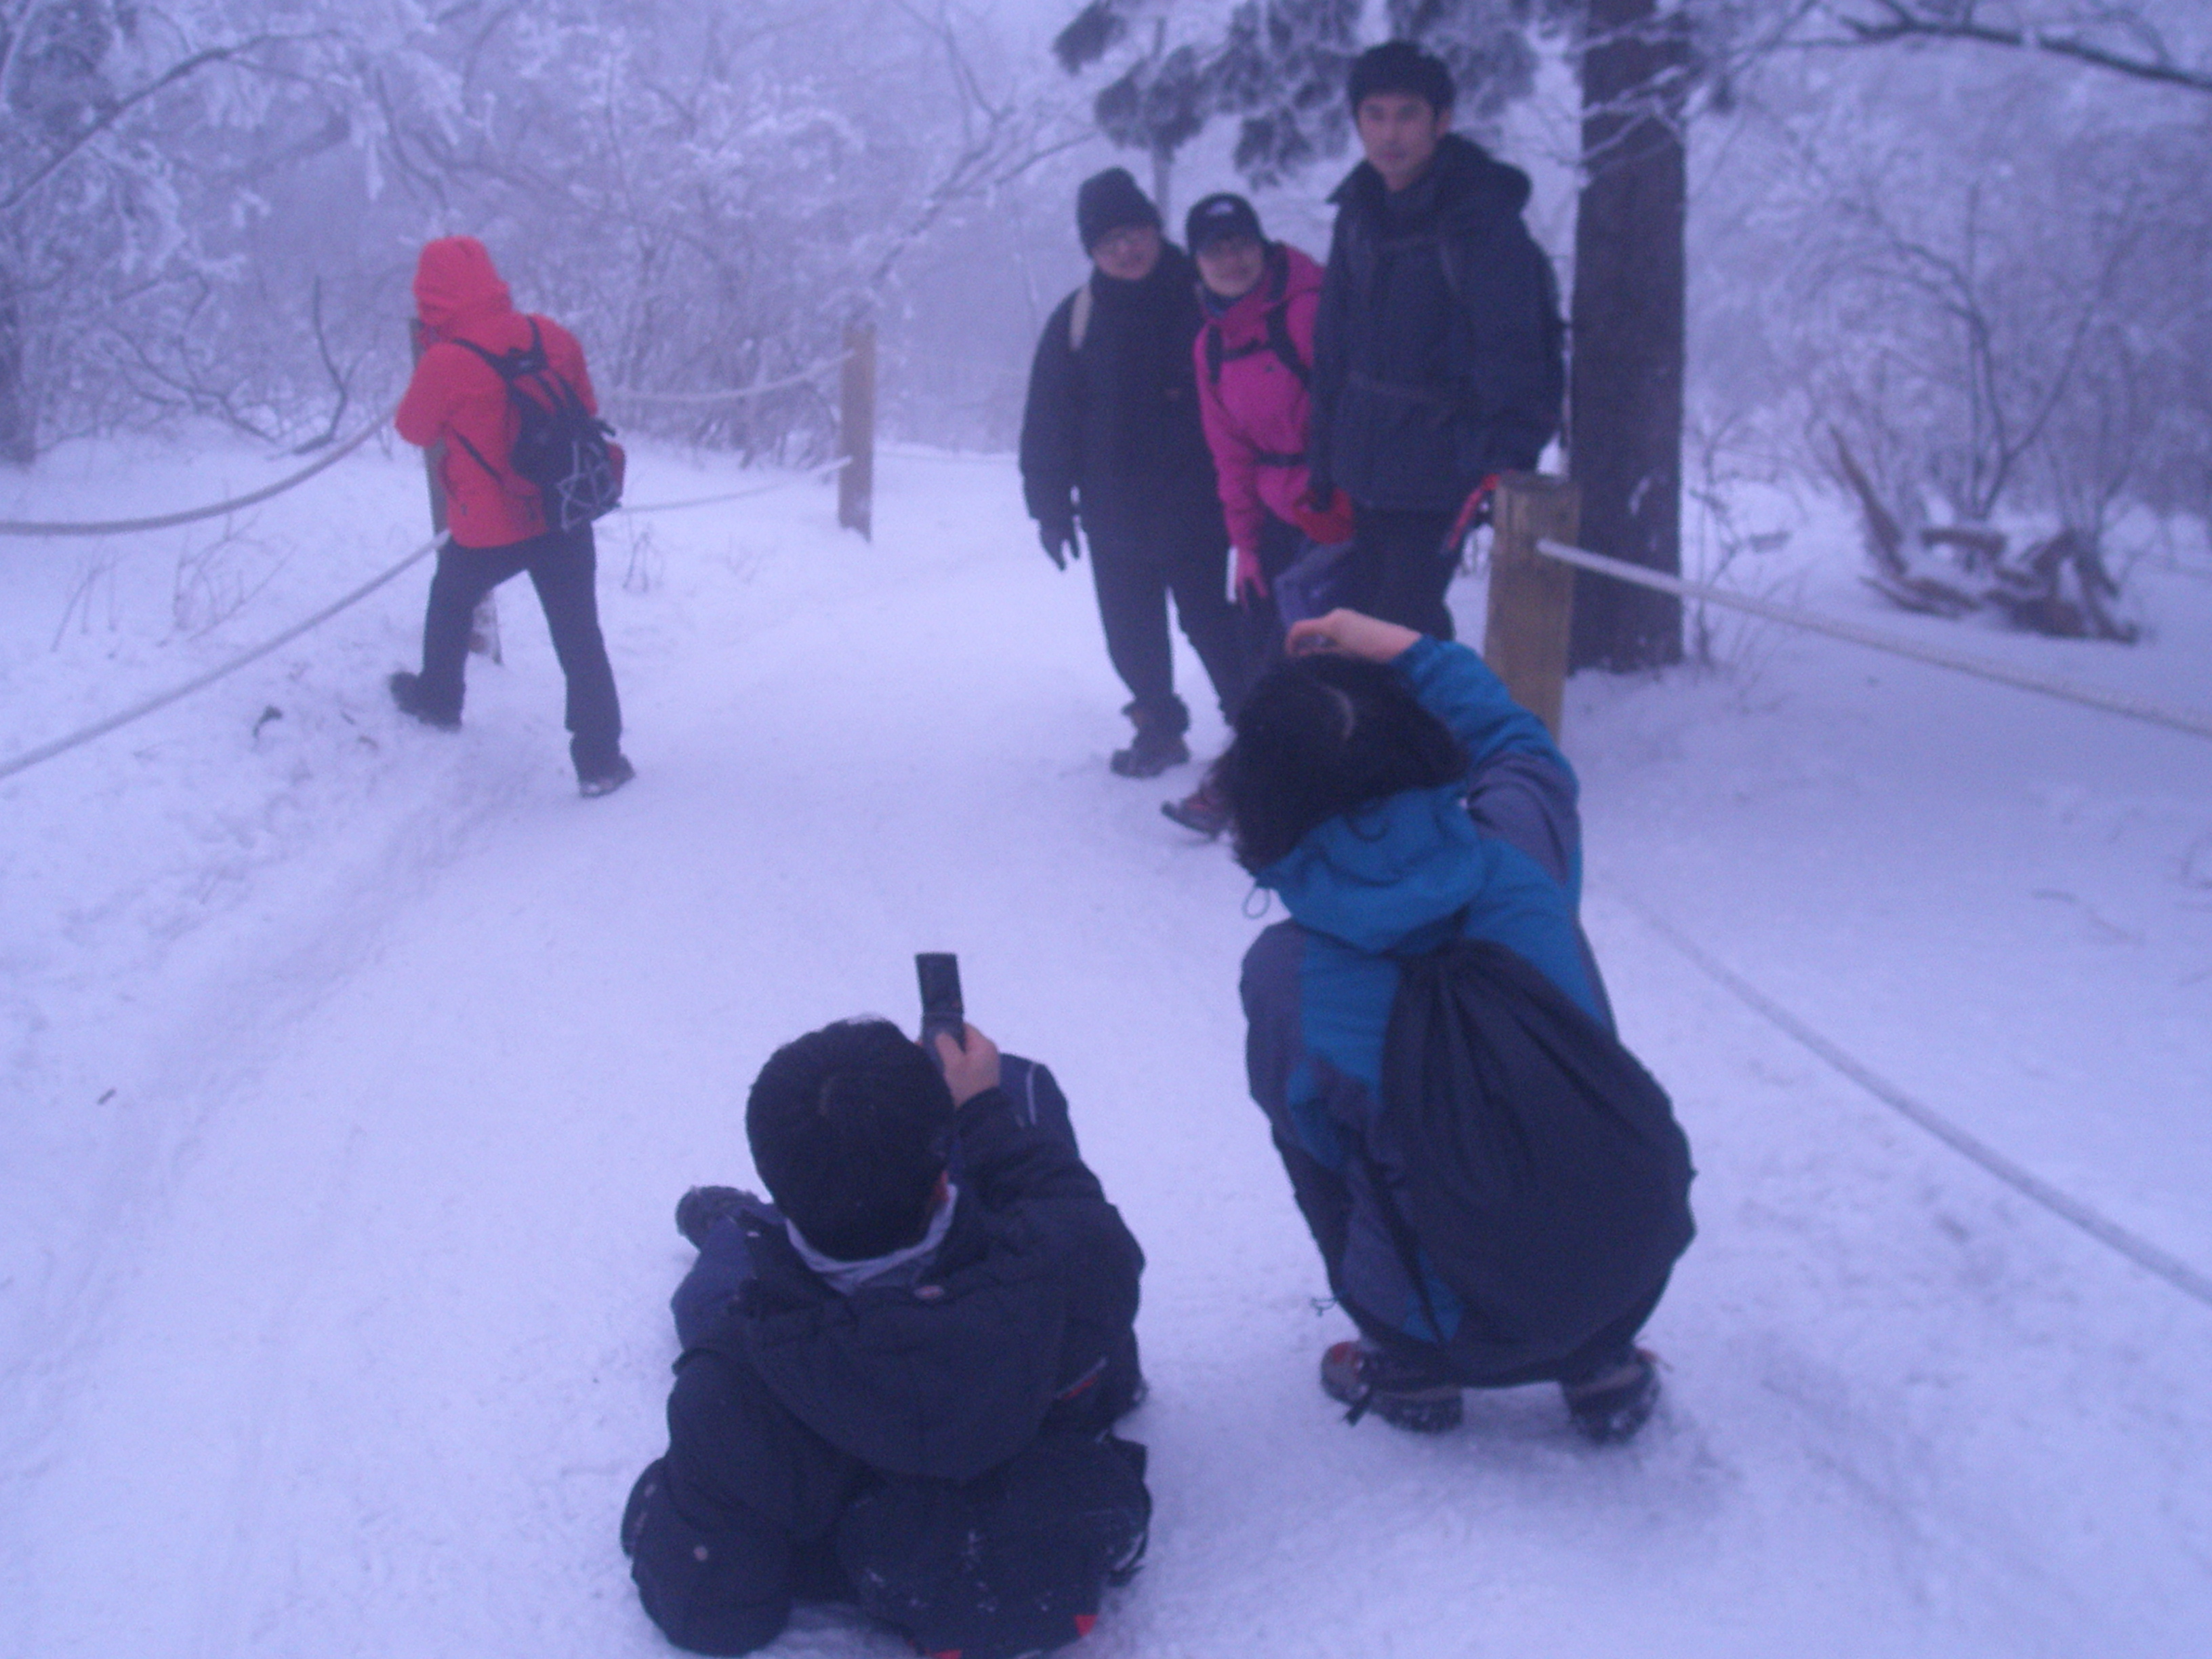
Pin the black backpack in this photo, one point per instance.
(560, 446)
(1546, 1180)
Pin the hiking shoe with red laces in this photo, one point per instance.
(1205, 810)
(1401, 1394)
(1610, 1406)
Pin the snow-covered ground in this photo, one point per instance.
(353, 1069)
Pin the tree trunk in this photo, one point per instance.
(1625, 439)
(18, 421)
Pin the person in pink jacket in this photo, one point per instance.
(1254, 357)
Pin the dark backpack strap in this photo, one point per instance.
(1280, 341)
(1213, 355)
(475, 454)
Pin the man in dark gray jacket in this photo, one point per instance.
(1439, 348)
(1112, 432)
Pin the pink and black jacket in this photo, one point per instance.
(1254, 360)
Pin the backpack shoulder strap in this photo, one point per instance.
(1213, 355)
(1079, 317)
(1279, 341)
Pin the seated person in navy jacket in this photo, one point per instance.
(898, 1383)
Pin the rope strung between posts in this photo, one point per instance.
(170, 520)
(735, 394)
(2148, 1256)
(100, 728)
(2051, 686)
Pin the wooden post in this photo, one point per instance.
(1532, 598)
(856, 433)
(484, 628)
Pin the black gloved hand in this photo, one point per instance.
(1057, 537)
(1321, 490)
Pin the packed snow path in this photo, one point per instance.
(355, 1071)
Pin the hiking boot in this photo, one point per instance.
(702, 1207)
(1403, 1393)
(407, 693)
(1611, 1404)
(1158, 743)
(591, 785)
(1204, 811)
(1149, 754)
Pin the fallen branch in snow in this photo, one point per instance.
(2058, 586)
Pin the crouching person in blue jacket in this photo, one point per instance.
(898, 1383)
(1390, 790)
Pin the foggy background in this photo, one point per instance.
(1981, 264)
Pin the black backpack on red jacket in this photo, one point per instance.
(560, 446)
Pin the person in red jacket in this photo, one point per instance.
(459, 402)
(1255, 358)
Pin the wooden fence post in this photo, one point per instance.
(1532, 598)
(856, 433)
(484, 628)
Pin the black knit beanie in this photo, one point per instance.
(1220, 219)
(1109, 200)
(1401, 66)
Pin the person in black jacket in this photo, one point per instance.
(899, 1384)
(1111, 433)
(1439, 348)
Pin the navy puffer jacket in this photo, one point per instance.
(1438, 354)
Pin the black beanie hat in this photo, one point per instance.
(1219, 219)
(1401, 66)
(1109, 200)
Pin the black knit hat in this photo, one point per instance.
(1109, 200)
(1401, 66)
(1221, 218)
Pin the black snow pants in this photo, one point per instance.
(563, 567)
(1134, 576)
(1398, 570)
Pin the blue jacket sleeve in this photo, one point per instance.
(1457, 687)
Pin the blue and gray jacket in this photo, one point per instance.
(1495, 857)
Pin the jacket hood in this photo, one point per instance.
(1289, 273)
(1464, 180)
(1381, 877)
(455, 280)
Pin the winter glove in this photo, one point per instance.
(1057, 537)
(1321, 491)
(1249, 584)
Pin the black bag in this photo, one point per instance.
(1546, 1180)
(560, 446)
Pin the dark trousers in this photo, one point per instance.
(1134, 576)
(1398, 570)
(563, 567)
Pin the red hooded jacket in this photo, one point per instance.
(455, 394)
(1255, 410)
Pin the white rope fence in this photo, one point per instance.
(170, 520)
(100, 728)
(2050, 685)
(735, 394)
(2148, 1256)
(139, 711)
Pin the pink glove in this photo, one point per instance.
(1248, 582)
